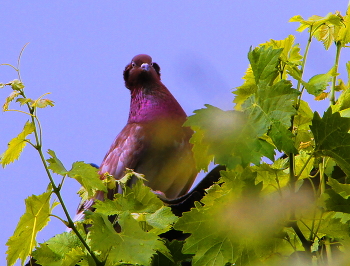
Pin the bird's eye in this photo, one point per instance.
(151, 63)
(133, 64)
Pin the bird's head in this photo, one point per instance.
(141, 71)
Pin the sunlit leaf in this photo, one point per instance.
(132, 245)
(23, 101)
(264, 64)
(42, 103)
(32, 221)
(65, 246)
(17, 85)
(318, 83)
(87, 176)
(16, 145)
(244, 91)
(55, 164)
(9, 99)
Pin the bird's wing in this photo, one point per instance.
(125, 151)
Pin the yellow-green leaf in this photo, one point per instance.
(42, 103)
(88, 177)
(17, 85)
(55, 164)
(24, 100)
(9, 99)
(16, 145)
(35, 218)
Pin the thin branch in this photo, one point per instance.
(336, 64)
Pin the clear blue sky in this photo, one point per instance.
(78, 51)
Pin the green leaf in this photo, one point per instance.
(248, 88)
(24, 100)
(209, 247)
(132, 245)
(9, 99)
(63, 247)
(175, 248)
(317, 84)
(290, 52)
(342, 189)
(35, 218)
(334, 227)
(344, 32)
(343, 102)
(16, 145)
(271, 108)
(303, 163)
(314, 22)
(228, 136)
(17, 85)
(144, 205)
(332, 138)
(87, 176)
(161, 220)
(273, 177)
(233, 222)
(42, 103)
(138, 199)
(264, 63)
(55, 164)
(335, 202)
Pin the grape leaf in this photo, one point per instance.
(234, 221)
(55, 164)
(273, 178)
(144, 205)
(88, 177)
(132, 245)
(32, 221)
(342, 189)
(344, 31)
(317, 84)
(335, 202)
(291, 52)
(244, 91)
(228, 136)
(65, 246)
(24, 101)
(175, 248)
(316, 21)
(138, 199)
(271, 108)
(42, 103)
(264, 61)
(9, 99)
(332, 138)
(161, 220)
(16, 145)
(305, 163)
(17, 85)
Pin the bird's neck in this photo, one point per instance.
(154, 103)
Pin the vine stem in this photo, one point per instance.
(55, 189)
(336, 65)
(293, 178)
(303, 67)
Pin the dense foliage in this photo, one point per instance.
(265, 210)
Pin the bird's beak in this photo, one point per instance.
(145, 66)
